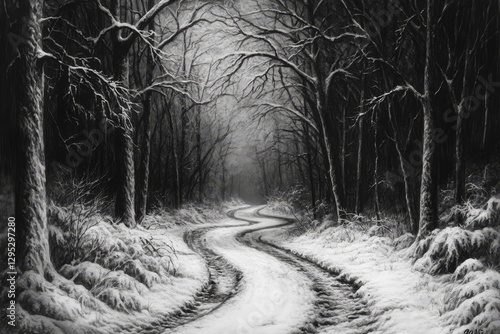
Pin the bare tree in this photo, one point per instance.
(300, 51)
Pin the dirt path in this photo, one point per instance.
(258, 288)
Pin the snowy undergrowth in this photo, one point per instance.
(121, 279)
(190, 214)
(280, 206)
(446, 283)
(472, 258)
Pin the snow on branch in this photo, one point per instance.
(112, 97)
(377, 100)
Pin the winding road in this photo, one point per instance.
(257, 288)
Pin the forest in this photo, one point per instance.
(149, 147)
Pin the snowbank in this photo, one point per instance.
(122, 280)
(402, 299)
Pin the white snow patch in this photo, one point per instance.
(400, 299)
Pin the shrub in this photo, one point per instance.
(77, 207)
(444, 250)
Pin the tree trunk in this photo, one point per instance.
(143, 177)
(459, 160)
(310, 171)
(341, 214)
(124, 150)
(406, 177)
(375, 172)
(30, 194)
(344, 150)
(223, 181)
(359, 167)
(428, 186)
(198, 155)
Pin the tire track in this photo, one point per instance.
(336, 307)
(223, 283)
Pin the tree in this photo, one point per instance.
(458, 65)
(428, 184)
(123, 35)
(295, 38)
(428, 188)
(30, 193)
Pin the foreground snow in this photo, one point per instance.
(273, 298)
(401, 299)
(130, 279)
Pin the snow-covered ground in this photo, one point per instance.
(401, 299)
(137, 279)
(129, 280)
(273, 298)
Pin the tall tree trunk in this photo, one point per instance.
(409, 198)
(460, 110)
(223, 181)
(375, 172)
(30, 193)
(459, 160)
(279, 162)
(310, 171)
(124, 150)
(428, 186)
(177, 167)
(344, 150)
(143, 177)
(339, 205)
(359, 167)
(124, 145)
(198, 155)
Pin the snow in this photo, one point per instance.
(130, 278)
(274, 298)
(400, 299)
(140, 275)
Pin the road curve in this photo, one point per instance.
(258, 288)
(273, 298)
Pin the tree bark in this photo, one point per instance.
(428, 186)
(124, 149)
(198, 155)
(409, 198)
(459, 160)
(344, 150)
(375, 172)
(143, 177)
(359, 167)
(310, 171)
(30, 194)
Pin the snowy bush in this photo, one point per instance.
(280, 206)
(488, 217)
(475, 303)
(404, 241)
(121, 300)
(87, 274)
(295, 201)
(78, 206)
(50, 304)
(468, 266)
(379, 230)
(444, 250)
